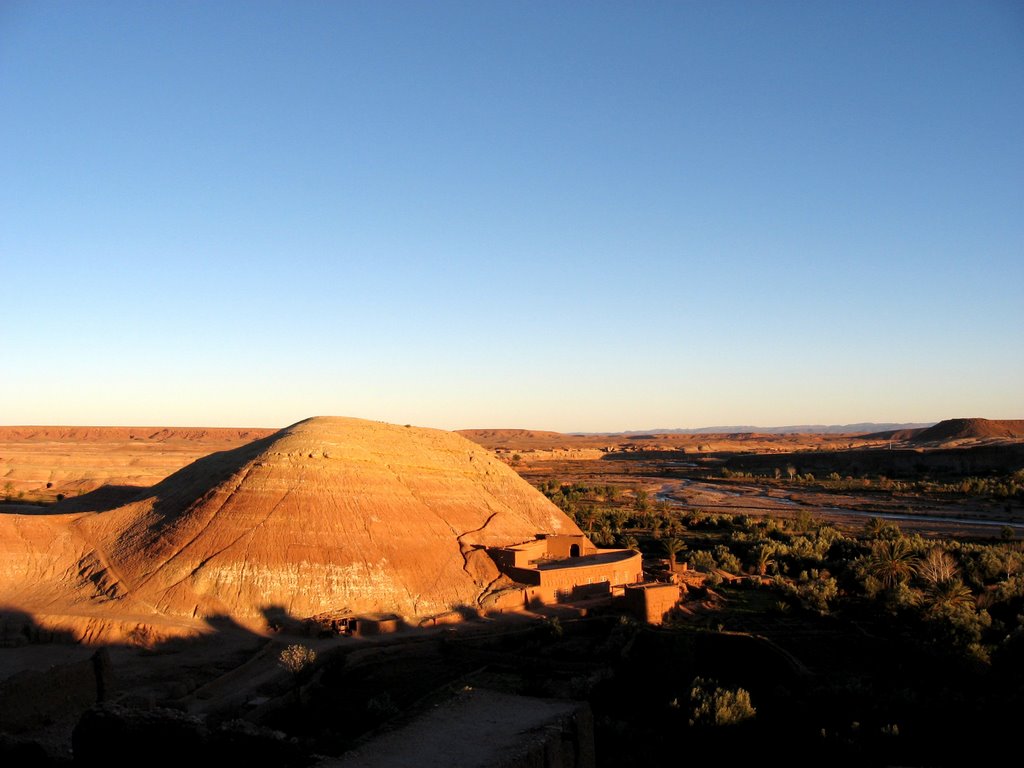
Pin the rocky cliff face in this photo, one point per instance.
(330, 513)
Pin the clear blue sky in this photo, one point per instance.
(572, 216)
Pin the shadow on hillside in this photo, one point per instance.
(172, 495)
(102, 499)
(175, 493)
(19, 629)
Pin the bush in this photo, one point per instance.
(815, 590)
(957, 626)
(727, 561)
(702, 560)
(711, 705)
(295, 658)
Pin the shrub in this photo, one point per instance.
(815, 590)
(702, 560)
(711, 705)
(727, 561)
(296, 658)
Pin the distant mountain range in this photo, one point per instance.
(805, 429)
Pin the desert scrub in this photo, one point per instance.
(296, 658)
(711, 705)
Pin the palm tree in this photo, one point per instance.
(951, 593)
(672, 546)
(763, 558)
(641, 500)
(587, 516)
(892, 561)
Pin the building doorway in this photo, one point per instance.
(574, 550)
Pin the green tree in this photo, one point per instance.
(949, 594)
(876, 528)
(587, 516)
(727, 561)
(892, 561)
(804, 521)
(672, 547)
(604, 535)
(703, 560)
(764, 557)
(642, 500)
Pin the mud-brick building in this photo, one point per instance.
(561, 568)
(653, 601)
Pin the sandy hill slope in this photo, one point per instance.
(967, 429)
(330, 513)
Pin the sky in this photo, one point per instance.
(578, 216)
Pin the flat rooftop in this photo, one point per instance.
(475, 729)
(601, 558)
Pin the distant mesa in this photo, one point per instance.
(329, 513)
(792, 429)
(955, 430)
(967, 429)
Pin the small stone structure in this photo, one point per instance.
(345, 623)
(561, 568)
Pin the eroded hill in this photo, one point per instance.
(328, 514)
